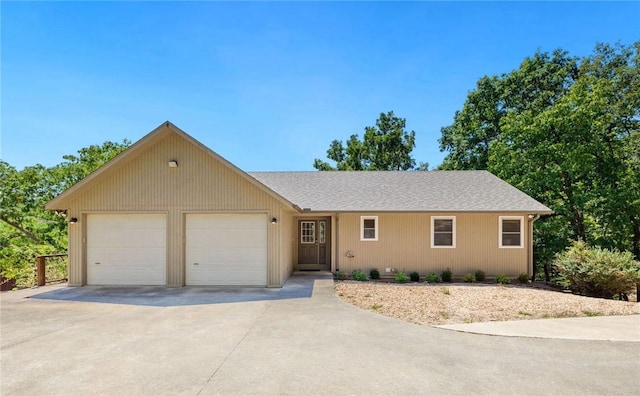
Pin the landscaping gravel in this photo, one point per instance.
(432, 304)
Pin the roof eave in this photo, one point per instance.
(326, 210)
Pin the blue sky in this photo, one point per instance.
(266, 85)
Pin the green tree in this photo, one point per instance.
(387, 146)
(564, 130)
(76, 167)
(467, 140)
(26, 228)
(538, 82)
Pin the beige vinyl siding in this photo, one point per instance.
(287, 226)
(144, 183)
(404, 243)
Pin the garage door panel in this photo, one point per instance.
(123, 257)
(225, 221)
(222, 256)
(229, 238)
(126, 249)
(226, 249)
(130, 221)
(125, 240)
(129, 276)
(232, 277)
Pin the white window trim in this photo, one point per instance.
(302, 232)
(362, 219)
(433, 232)
(521, 218)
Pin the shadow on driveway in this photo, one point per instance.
(299, 285)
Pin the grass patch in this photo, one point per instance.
(523, 313)
(376, 307)
(564, 315)
(591, 313)
(445, 291)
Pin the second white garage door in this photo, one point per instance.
(226, 249)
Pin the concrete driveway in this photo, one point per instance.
(300, 345)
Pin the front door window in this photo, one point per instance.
(308, 232)
(322, 231)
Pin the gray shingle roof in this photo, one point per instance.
(374, 191)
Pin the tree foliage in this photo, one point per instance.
(566, 131)
(537, 84)
(386, 146)
(26, 228)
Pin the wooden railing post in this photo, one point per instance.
(40, 271)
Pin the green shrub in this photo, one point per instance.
(468, 278)
(359, 276)
(480, 276)
(503, 279)
(401, 277)
(374, 274)
(415, 277)
(597, 272)
(523, 278)
(339, 275)
(446, 275)
(432, 278)
(18, 262)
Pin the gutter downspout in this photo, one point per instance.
(530, 245)
(336, 265)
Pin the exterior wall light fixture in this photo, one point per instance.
(73, 220)
(173, 164)
(274, 221)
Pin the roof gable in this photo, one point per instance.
(161, 132)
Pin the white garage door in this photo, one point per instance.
(127, 249)
(226, 249)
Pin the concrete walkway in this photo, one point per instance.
(603, 328)
(314, 344)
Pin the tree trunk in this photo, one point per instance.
(636, 249)
(636, 238)
(547, 278)
(577, 218)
